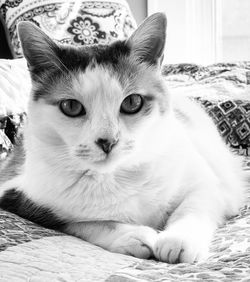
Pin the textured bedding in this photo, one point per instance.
(32, 253)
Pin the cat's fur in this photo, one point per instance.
(170, 170)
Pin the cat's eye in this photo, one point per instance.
(132, 104)
(72, 108)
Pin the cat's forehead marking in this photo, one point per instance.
(103, 74)
(80, 58)
(114, 61)
(97, 82)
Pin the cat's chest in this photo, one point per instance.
(127, 196)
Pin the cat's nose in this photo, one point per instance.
(106, 144)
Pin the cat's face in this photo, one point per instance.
(97, 106)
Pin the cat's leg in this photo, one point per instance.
(134, 240)
(190, 228)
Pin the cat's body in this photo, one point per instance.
(167, 165)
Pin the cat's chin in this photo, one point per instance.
(101, 166)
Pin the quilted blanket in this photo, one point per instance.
(29, 252)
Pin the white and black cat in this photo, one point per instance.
(110, 157)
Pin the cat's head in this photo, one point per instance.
(98, 106)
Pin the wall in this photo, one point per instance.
(192, 33)
(235, 30)
(139, 9)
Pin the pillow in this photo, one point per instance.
(78, 22)
(9, 126)
(232, 120)
(15, 87)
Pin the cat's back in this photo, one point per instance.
(197, 125)
(199, 128)
(189, 112)
(207, 142)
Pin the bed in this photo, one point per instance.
(29, 252)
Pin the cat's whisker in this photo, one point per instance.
(83, 151)
(82, 156)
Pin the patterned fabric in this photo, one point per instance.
(59, 259)
(239, 71)
(15, 88)
(76, 22)
(224, 92)
(15, 230)
(232, 118)
(9, 126)
(217, 82)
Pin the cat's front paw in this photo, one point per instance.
(178, 248)
(137, 242)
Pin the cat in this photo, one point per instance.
(110, 157)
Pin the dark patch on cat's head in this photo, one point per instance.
(79, 58)
(111, 54)
(73, 60)
(49, 62)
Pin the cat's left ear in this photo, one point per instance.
(38, 48)
(148, 41)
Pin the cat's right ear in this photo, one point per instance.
(148, 41)
(38, 48)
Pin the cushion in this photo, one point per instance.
(78, 22)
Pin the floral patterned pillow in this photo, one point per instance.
(78, 22)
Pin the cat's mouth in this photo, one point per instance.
(106, 159)
(102, 162)
(105, 164)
